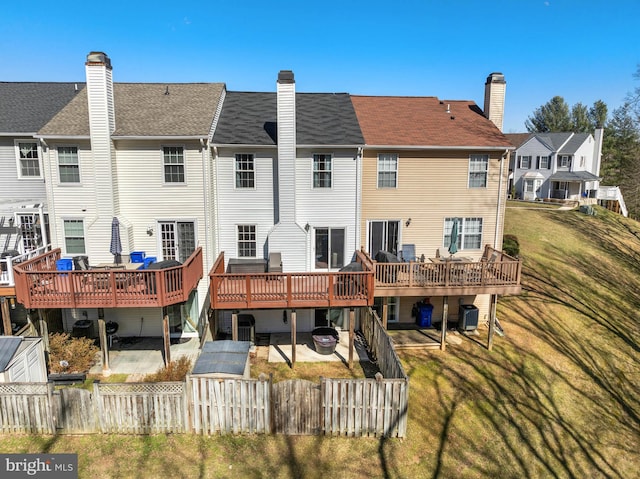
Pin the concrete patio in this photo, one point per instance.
(142, 356)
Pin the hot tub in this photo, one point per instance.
(325, 340)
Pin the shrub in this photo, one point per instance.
(174, 371)
(511, 246)
(70, 355)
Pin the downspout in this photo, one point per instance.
(205, 196)
(358, 199)
(53, 224)
(216, 202)
(498, 218)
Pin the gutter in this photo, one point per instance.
(442, 147)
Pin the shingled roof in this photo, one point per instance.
(146, 109)
(25, 107)
(425, 122)
(250, 118)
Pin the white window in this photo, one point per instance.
(387, 170)
(245, 171)
(469, 233)
(544, 162)
(28, 157)
(31, 231)
(383, 236)
(74, 236)
(68, 165)
(564, 161)
(177, 239)
(329, 247)
(525, 162)
(478, 169)
(322, 168)
(173, 164)
(247, 243)
(583, 160)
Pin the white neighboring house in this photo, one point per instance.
(563, 166)
(22, 360)
(138, 153)
(287, 173)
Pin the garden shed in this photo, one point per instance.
(22, 360)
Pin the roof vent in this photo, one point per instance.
(448, 108)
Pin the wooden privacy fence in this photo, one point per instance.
(337, 407)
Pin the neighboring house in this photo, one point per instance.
(25, 107)
(138, 153)
(287, 169)
(564, 166)
(428, 163)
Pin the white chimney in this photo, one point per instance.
(101, 125)
(598, 135)
(494, 92)
(286, 92)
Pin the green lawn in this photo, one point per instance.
(559, 396)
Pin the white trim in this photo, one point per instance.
(313, 171)
(378, 187)
(16, 144)
(64, 234)
(184, 166)
(235, 171)
(57, 153)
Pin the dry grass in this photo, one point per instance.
(70, 355)
(559, 396)
(174, 371)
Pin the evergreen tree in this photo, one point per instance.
(580, 119)
(553, 116)
(598, 114)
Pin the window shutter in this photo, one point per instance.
(549, 162)
(530, 161)
(537, 162)
(519, 161)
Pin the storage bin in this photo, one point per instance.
(148, 260)
(64, 264)
(137, 256)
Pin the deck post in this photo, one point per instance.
(104, 348)
(294, 316)
(165, 335)
(44, 330)
(492, 321)
(385, 311)
(6, 316)
(352, 328)
(234, 326)
(445, 313)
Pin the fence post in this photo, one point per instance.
(188, 406)
(97, 401)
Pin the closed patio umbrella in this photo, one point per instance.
(116, 243)
(453, 245)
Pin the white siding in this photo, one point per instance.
(334, 207)
(287, 150)
(243, 206)
(12, 188)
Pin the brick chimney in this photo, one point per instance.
(494, 91)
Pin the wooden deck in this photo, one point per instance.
(494, 273)
(39, 285)
(289, 290)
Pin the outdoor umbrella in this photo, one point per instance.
(453, 245)
(116, 244)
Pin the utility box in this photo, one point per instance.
(468, 317)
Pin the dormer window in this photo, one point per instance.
(565, 161)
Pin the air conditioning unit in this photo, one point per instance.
(468, 317)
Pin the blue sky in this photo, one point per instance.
(582, 50)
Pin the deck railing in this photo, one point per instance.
(7, 264)
(40, 285)
(290, 290)
(496, 272)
